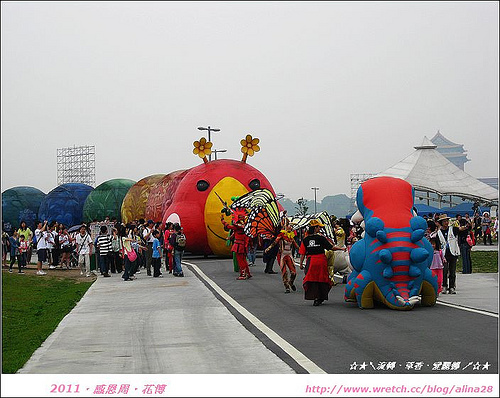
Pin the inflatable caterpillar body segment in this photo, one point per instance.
(391, 263)
(200, 195)
(196, 204)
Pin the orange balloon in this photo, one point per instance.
(160, 196)
(135, 201)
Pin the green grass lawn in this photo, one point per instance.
(32, 307)
(486, 261)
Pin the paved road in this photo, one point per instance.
(337, 334)
(193, 325)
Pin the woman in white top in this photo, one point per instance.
(65, 243)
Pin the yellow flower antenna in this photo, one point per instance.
(202, 148)
(249, 147)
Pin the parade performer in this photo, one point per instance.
(339, 233)
(230, 242)
(286, 240)
(240, 241)
(317, 283)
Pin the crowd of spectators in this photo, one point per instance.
(60, 247)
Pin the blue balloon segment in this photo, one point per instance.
(21, 204)
(64, 204)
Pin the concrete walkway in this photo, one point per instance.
(485, 248)
(152, 326)
(475, 291)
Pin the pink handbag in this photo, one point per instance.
(132, 255)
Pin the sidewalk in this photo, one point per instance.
(487, 248)
(152, 326)
(476, 291)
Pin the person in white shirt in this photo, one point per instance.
(147, 234)
(447, 235)
(65, 244)
(41, 246)
(51, 244)
(84, 249)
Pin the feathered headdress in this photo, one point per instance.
(239, 214)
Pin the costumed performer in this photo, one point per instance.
(317, 283)
(240, 244)
(286, 241)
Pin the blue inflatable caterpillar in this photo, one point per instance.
(391, 263)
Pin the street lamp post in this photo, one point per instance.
(315, 189)
(216, 151)
(209, 129)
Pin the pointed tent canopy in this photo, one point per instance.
(427, 170)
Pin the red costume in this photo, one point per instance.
(286, 241)
(240, 245)
(316, 282)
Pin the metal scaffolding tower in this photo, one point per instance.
(76, 164)
(356, 180)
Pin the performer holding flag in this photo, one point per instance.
(240, 245)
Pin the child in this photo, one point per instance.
(252, 251)
(169, 257)
(23, 250)
(437, 264)
(156, 258)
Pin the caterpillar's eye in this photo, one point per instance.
(202, 185)
(254, 184)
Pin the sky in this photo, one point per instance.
(329, 88)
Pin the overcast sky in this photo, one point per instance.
(330, 88)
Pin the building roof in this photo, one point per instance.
(450, 149)
(428, 170)
(440, 140)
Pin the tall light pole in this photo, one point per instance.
(315, 189)
(209, 129)
(216, 151)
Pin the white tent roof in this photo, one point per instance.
(427, 170)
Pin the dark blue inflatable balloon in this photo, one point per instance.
(21, 203)
(64, 204)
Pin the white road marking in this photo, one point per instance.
(297, 356)
(467, 309)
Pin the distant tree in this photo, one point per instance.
(301, 208)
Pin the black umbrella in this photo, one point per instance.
(75, 228)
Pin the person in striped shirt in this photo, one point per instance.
(104, 246)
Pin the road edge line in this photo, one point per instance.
(461, 307)
(295, 354)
